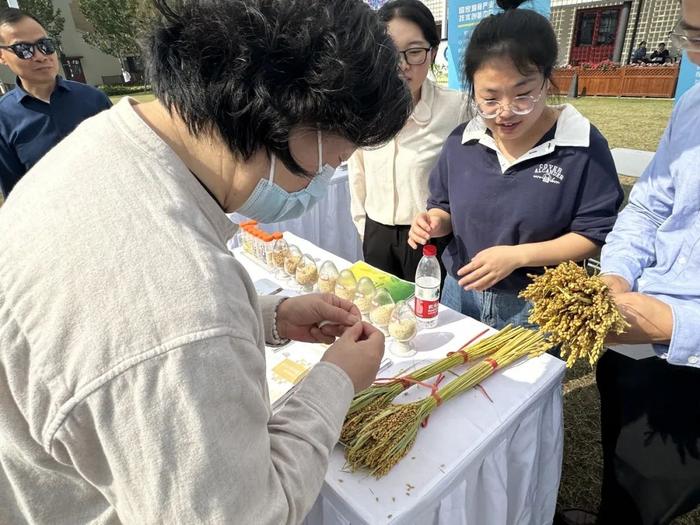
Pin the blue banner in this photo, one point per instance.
(688, 76)
(462, 18)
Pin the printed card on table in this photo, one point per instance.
(286, 367)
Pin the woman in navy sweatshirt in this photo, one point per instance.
(523, 185)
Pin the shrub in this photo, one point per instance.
(605, 65)
(123, 89)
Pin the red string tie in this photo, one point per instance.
(465, 355)
(407, 380)
(463, 350)
(436, 396)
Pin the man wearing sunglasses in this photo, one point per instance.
(43, 108)
(650, 407)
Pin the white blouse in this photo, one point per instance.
(390, 184)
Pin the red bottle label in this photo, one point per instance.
(426, 309)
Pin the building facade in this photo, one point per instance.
(80, 61)
(436, 7)
(597, 30)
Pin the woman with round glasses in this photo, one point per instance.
(389, 185)
(521, 186)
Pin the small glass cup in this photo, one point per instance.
(279, 255)
(307, 273)
(270, 241)
(327, 277)
(364, 295)
(346, 285)
(382, 307)
(403, 327)
(291, 261)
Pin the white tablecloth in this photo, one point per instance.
(476, 463)
(329, 224)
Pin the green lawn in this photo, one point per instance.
(141, 97)
(627, 123)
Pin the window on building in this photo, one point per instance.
(585, 29)
(608, 27)
(595, 35)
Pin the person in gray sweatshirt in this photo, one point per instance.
(132, 368)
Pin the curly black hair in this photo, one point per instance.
(251, 70)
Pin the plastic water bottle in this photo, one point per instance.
(427, 290)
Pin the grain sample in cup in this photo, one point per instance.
(346, 285)
(403, 328)
(364, 295)
(327, 277)
(382, 308)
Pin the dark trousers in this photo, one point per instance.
(386, 247)
(650, 425)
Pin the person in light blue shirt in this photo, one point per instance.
(650, 407)
(652, 256)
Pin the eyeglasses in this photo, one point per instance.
(414, 56)
(522, 105)
(26, 51)
(681, 40)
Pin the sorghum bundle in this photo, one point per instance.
(575, 310)
(388, 436)
(370, 401)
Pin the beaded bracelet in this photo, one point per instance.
(276, 339)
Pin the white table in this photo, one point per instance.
(477, 462)
(327, 225)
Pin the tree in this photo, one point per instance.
(49, 17)
(117, 25)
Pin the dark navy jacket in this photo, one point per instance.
(566, 183)
(30, 127)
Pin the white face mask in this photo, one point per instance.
(270, 202)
